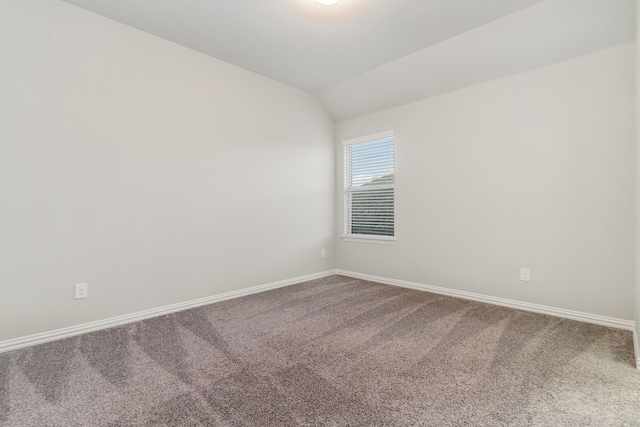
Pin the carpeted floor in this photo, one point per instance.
(331, 352)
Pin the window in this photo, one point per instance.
(369, 167)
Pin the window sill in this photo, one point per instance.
(377, 240)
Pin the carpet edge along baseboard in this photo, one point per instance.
(57, 334)
(29, 340)
(596, 319)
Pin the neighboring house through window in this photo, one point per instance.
(369, 180)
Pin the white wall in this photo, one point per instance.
(637, 193)
(160, 175)
(152, 172)
(533, 170)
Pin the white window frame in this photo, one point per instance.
(364, 238)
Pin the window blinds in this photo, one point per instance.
(369, 186)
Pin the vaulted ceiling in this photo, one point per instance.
(360, 56)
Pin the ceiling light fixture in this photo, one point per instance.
(327, 2)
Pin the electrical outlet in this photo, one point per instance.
(525, 274)
(82, 290)
(322, 253)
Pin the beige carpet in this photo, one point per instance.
(331, 352)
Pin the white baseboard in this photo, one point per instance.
(636, 347)
(536, 308)
(57, 334)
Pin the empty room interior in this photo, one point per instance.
(319, 212)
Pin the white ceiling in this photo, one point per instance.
(550, 32)
(360, 56)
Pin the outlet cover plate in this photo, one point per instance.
(82, 290)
